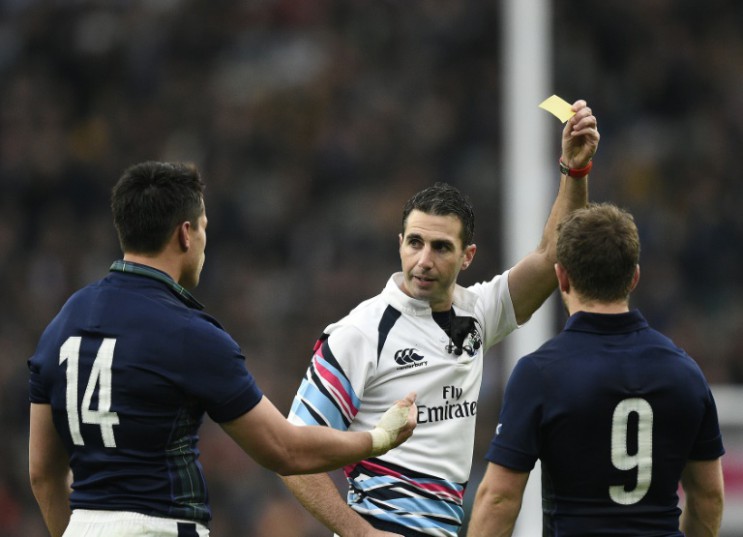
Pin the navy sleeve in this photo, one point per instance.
(215, 371)
(709, 440)
(516, 441)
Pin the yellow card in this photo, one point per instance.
(557, 107)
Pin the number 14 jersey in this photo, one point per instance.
(129, 370)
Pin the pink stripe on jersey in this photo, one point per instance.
(440, 489)
(342, 396)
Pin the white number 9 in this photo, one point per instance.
(620, 456)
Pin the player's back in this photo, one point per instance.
(120, 366)
(623, 412)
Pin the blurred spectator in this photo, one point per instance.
(311, 121)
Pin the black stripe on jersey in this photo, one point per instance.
(327, 355)
(388, 320)
(385, 525)
(407, 472)
(378, 502)
(393, 491)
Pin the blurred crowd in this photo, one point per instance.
(312, 122)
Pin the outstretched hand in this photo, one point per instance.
(395, 426)
(580, 137)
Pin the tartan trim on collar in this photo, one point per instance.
(142, 270)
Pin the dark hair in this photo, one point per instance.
(443, 199)
(599, 247)
(151, 199)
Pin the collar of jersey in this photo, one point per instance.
(606, 323)
(143, 270)
(464, 300)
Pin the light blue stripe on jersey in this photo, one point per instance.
(309, 396)
(452, 491)
(339, 377)
(418, 523)
(431, 506)
(419, 506)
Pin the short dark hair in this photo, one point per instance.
(151, 199)
(599, 247)
(443, 199)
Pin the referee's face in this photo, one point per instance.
(432, 255)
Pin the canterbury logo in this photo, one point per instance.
(407, 356)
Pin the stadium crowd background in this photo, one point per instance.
(313, 121)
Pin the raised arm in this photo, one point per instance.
(275, 443)
(703, 487)
(532, 280)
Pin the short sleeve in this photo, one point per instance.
(708, 444)
(331, 390)
(515, 444)
(214, 371)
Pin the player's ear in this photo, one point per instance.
(184, 238)
(563, 281)
(635, 278)
(469, 255)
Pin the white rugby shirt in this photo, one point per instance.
(383, 349)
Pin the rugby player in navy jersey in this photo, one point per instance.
(617, 414)
(426, 332)
(123, 375)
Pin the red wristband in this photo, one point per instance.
(577, 173)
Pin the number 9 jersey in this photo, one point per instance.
(129, 366)
(614, 410)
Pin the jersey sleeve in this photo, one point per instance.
(708, 445)
(38, 392)
(331, 390)
(44, 363)
(214, 370)
(515, 444)
(495, 309)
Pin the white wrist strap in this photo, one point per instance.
(385, 433)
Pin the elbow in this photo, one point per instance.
(281, 461)
(41, 478)
(284, 457)
(294, 465)
(37, 482)
(286, 464)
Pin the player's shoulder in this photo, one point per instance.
(366, 314)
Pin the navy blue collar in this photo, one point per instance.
(602, 323)
(143, 270)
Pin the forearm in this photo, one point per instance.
(497, 502)
(704, 498)
(317, 449)
(702, 517)
(319, 495)
(53, 495)
(493, 517)
(48, 469)
(287, 449)
(572, 195)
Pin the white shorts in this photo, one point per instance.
(90, 523)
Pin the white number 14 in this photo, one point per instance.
(100, 377)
